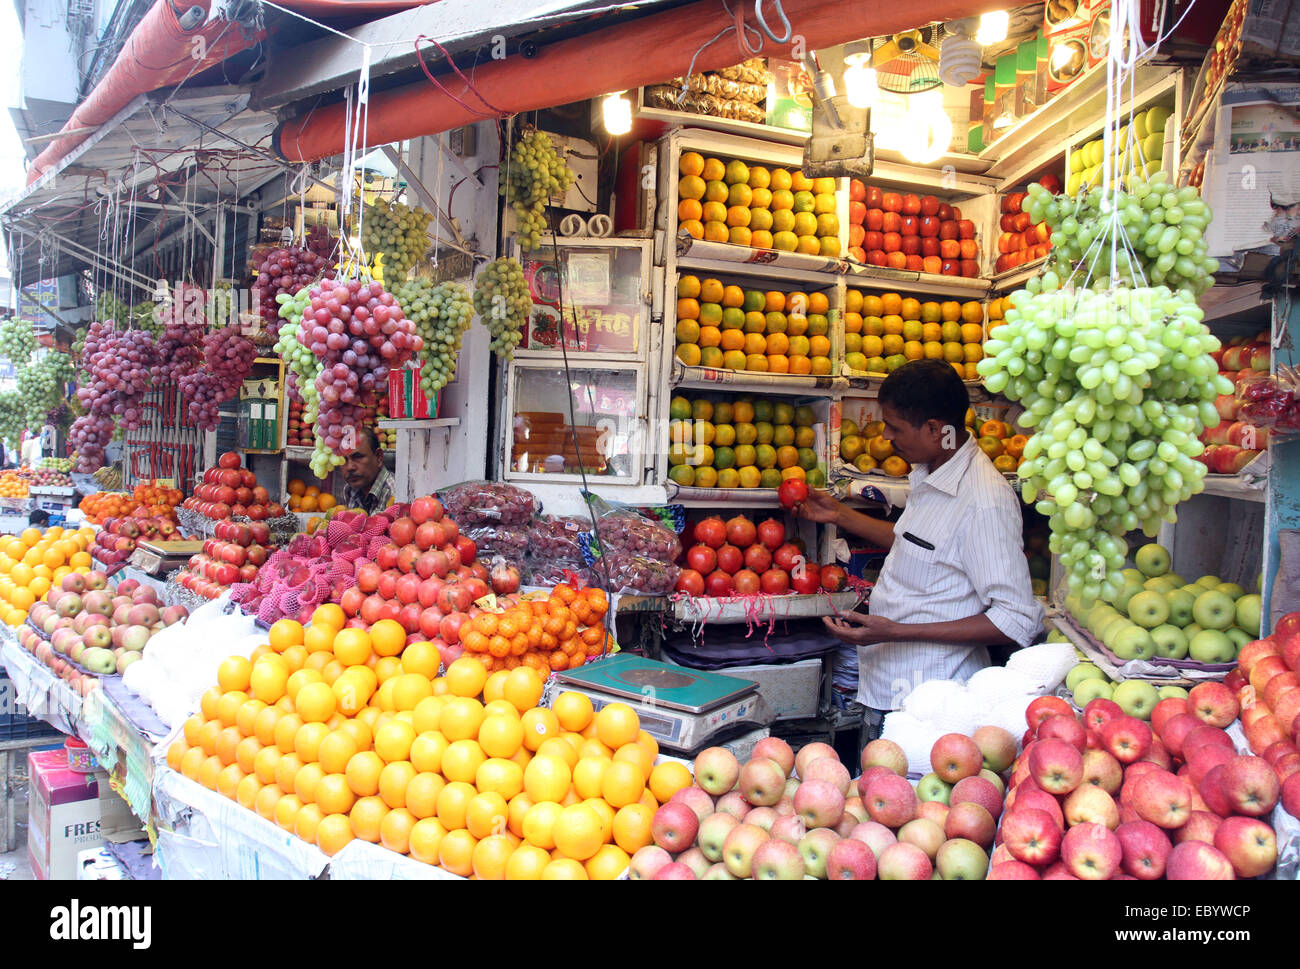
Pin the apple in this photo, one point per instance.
(1163, 799)
(1201, 826)
(1013, 871)
(1250, 786)
(1067, 729)
(815, 849)
(1211, 646)
(1249, 844)
(1055, 766)
(1126, 738)
(713, 831)
(1214, 609)
(1031, 835)
(932, 787)
(763, 817)
(903, 862)
(955, 756)
(674, 826)
(1205, 735)
(647, 862)
(1091, 852)
(925, 834)
(734, 803)
(1097, 712)
(775, 749)
(675, 871)
(776, 860)
(936, 811)
(819, 803)
(1130, 642)
(1180, 603)
(1290, 798)
(831, 770)
(1152, 560)
(1204, 759)
(868, 775)
(810, 752)
(762, 781)
(1043, 707)
(716, 770)
(1148, 609)
(1081, 672)
(890, 800)
(971, 821)
(850, 860)
(1197, 861)
(1170, 641)
(1087, 803)
(884, 753)
(739, 847)
(1248, 613)
(1136, 698)
(1101, 770)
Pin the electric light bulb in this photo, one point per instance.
(860, 81)
(616, 112)
(927, 131)
(993, 27)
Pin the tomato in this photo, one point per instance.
(791, 492)
(747, 582)
(741, 532)
(718, 584)
(834, 578)
(775, 582)
(688, 581)
(807, 580)
(702, 559)
(711, 532)
(787, 556)
(758, 558)
(730, 559)
(771, 533)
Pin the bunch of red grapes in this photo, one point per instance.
(288, 270)
(227, 360)
(118, 365)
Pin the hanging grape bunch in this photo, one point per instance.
(357, 331)
(324, 244)
(503, 302)
(227, 359)
(17, 341)
(284, 272)
(1164, 226)
(109, 307)
(13, 418)
(302, 364)
(441, 314)
(118, 364)
(532, 173)
(397, 231)
(41, 387)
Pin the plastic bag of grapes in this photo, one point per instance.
(477, 503)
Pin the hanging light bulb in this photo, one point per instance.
(859, 76)
(993, 27)
(889, 119)
(616, 112)
(927, 130)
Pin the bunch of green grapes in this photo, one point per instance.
(17, 341)
(503, 302)
(13, 418)
(441, 313)
(399, 232)
(533, 173)
(109, 307)
(303, 365)
(1163, 226)
(1118, 386)
(41, 386)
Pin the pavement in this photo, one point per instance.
(16, 866)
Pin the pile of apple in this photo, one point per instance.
(740, 558)
(914, 232)
(49, 478)
(1107, 795)
(1159, 615)
(233, 555)
(1265, 683)
(1021, 240)
(787, 817)
(229, 490)
(1236, 440)
(82, 622)
(298, 432)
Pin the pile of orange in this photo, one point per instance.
(33, 561)
(146, 501)
(883, 331)
(557, 633)
(305, 497)
(12, 485)
(339, 734)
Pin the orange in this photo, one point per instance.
(425, 838)
(208, 703)
(632, 826)
(422, 792)
(486, 814)
(286, 811)
(500, 708)
(307, 741)
(176, 752)
(393, 781)
(192, 727)
(319, 639)
(564, 869)
(527, 863)
(461, 760)
(329, 614)
(285, 633)
(363, 772)
(607, 863)
(226, 745)
(306, 781)
(634, 753)
(395, 830)
(335, 750)
(228, 707)
(689, 210)
(192, 761)
(505, 777)
(616, 725)
(233, 674)
(387, 637)
(622, 783)
(494, 686)
(577, 832)
(518, 808)
(265, 762)
(523, 688)
(334, 795)
(539, 724)
(453, 802)
(286, 771)
(266, 800)
(359, 731)
(268, 678)
(421, 658)
(246, 792)
(428, 712)
(390, 666)
(465, 676)
(501, 736)
(427, 750)
(563, 747)
(366, 816)
(491, 857)
(456, 852)
(649, 744)
(264, 725)
(409, 689)
(246, 716)
(228, 781)
(393, 741)
(588, 776)
(594, 748)
(461, 718)
(539, 824)
(315, 702)
(547, 778)
(352, 646)
(333, 832)
(208, 735)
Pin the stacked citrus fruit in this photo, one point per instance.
(736, 441)
(32, 562)
(883, 331)
(867, 448)
(12, 485)
(334, 735)
(733, 328)
(559, 632)
(998, 312)
(758, 206)
(305, 497)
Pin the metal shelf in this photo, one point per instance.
(858, 275)
(415, 425)
(714, 497)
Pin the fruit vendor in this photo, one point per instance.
(369, 485)
(955, 581)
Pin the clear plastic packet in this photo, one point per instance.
(630, 552)
(477, 503)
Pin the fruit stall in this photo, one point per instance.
(607, 349)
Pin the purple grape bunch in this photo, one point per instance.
(227, 359)
(287, 270)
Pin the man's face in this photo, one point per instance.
(914, 444)
(362, 465)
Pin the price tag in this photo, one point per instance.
(489, 603)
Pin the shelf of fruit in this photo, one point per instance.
(34, 561)
(13, 485)
(916, 233)
(883, 331)
(234, 554)
(309, 498)
(145, 502)
(1023, 243)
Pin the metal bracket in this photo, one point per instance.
(845, 150)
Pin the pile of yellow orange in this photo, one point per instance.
(33, 561)
(339, 734)
(883, 331)
(305, 497)
(12, 486)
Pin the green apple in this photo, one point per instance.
(1133, 577)
(1238, 636)
(1214, 609)
(1190, 630)
(1089, 690)
(1126, 595)
(1148, 609)
(1211, 646)
(1172, 693)
(1248, 613)
(1170, 642)
(1081, 672)
(1180, 603)
(1140, 125)
(1156, 118)
(1174, 579)
(1133, 643)
(1209, 581)
(1113, 628)
(1231, 589)
(1100, 611)
(932, 787)
(1136, 698)
(1152, 560)
(1158, 584)
(1056, 636)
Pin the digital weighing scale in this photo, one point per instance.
(682, 708)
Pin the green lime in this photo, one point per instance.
(783, 414)
(804, 416)
(683, 474)
(765, 431)
(815, 478)
(771, 478)
(807, 458)
(724, 457)
(679, 409)
(762, 410)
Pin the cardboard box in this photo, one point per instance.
(63, 816)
